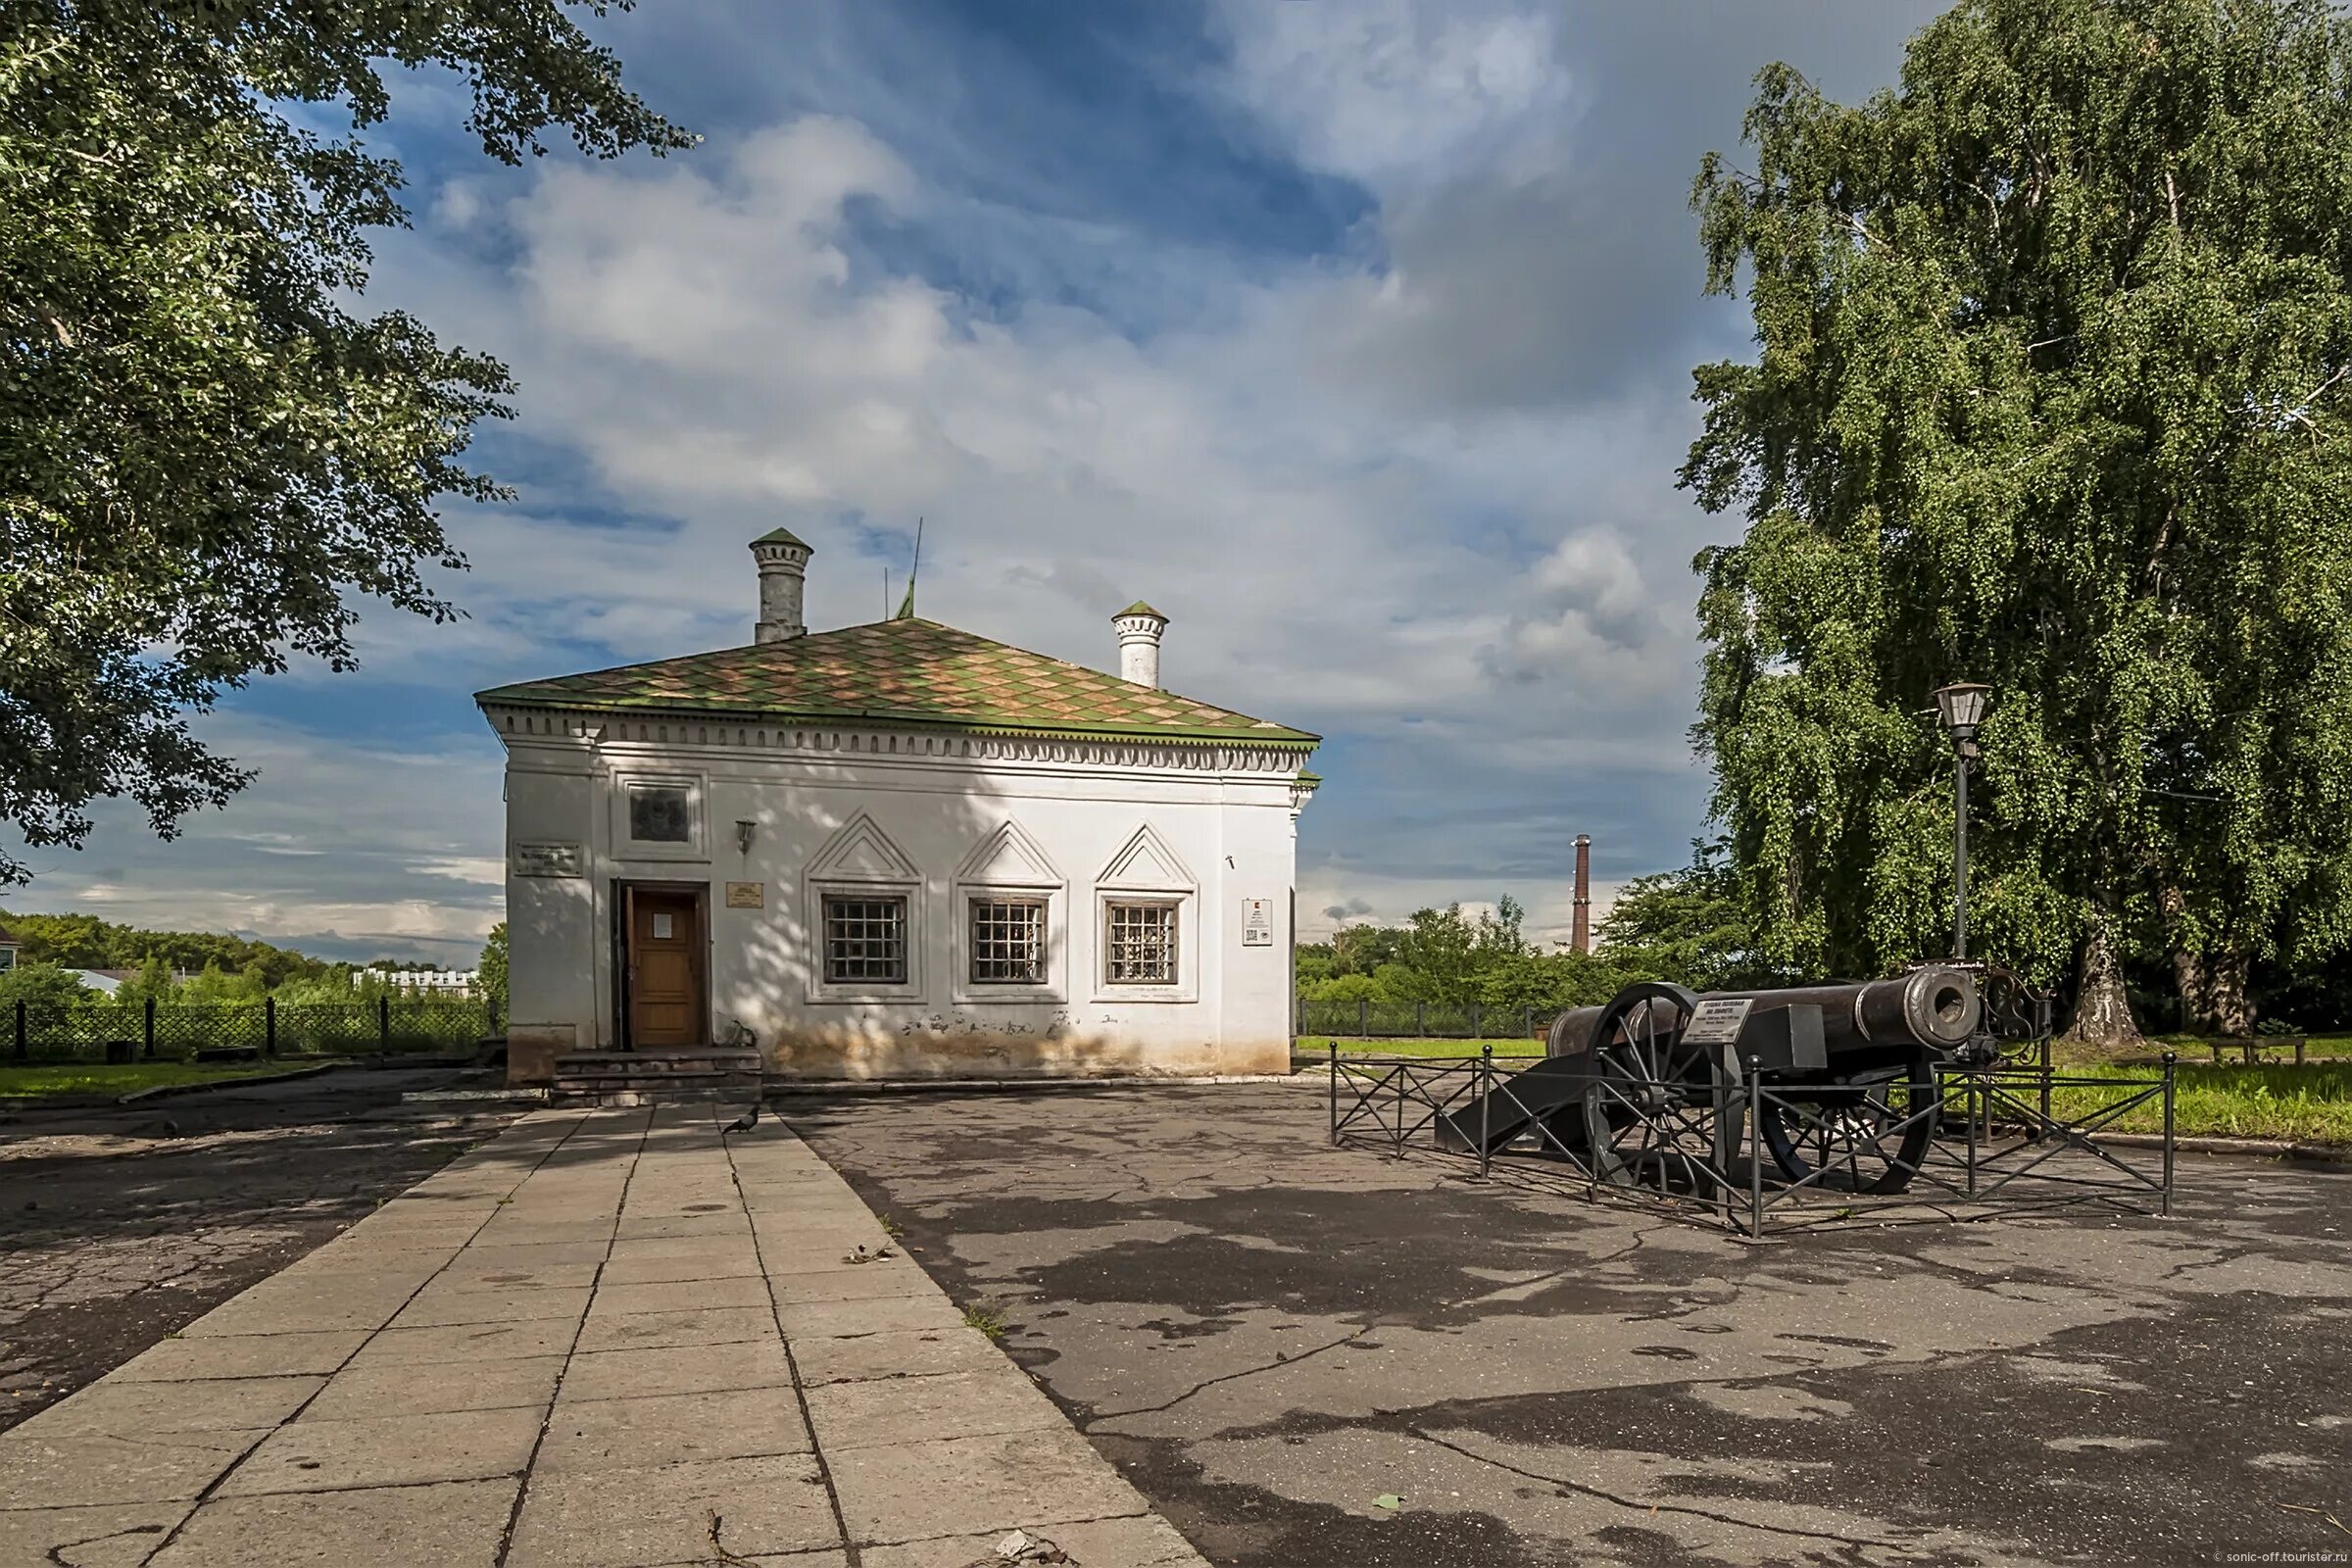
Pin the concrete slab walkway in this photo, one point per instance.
(604, 1339)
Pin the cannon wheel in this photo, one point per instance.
(1865, 1133)
(1656, 1114)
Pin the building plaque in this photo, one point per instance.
(546, 859)
(1257, 922)
(1717, 1022)
(746, 895)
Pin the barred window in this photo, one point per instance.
(1140, 945)
(1008, 942)
(866, 938)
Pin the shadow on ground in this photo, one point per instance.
(1270, 1337)
(119, 1227)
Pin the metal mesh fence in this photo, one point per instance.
(1364, 1020)
(141, 1031)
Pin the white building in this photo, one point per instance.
(426, 982)
(898, 850)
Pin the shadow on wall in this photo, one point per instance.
(767, 964)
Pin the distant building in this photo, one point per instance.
(9, 946)
(444, 982)
(898, 850)
(98, 980)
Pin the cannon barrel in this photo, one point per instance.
(1935, 1005)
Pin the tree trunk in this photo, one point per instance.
(2102, 1008)
(2189, 979)
(2232, 1009)
(2196, 990)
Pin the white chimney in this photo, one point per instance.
(783, 573)
(1139, 627)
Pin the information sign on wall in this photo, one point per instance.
(746, 895)
(1257, 922)
(546, 859)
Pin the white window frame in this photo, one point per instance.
(1186, 985)
(874, 899)
(698, 796)
(901, 879)
(978, 992)
(821, 989)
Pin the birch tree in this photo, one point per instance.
(2051, 392)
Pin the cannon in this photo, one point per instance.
(1648, 1090)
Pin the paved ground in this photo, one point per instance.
(605, 1340)
(120, 1226)
(1269, 1336)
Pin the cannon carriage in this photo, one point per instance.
(1654, 1088)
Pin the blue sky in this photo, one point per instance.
(1355, 337)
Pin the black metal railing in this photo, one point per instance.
(2022, 1136)
(166, 1031)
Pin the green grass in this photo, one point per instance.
(2307, 1104)
(985, 1320)
(41, 1080)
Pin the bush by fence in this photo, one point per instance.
(149, 1031)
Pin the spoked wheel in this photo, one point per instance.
(1657, 1113)
(1866, 1132)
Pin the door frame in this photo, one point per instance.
(622, 888)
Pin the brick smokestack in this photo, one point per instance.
(1581, 934)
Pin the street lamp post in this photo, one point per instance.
(1960, 708)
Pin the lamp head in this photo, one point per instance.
(1960, 708)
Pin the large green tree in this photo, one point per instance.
(207, 453)
(2054, 392)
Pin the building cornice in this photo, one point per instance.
(838, 741)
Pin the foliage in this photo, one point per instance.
(491, 971)
(1686, 926)
(204, 452)
(86, 942)
(43, 985)
(2052, 394)
(1447, 958)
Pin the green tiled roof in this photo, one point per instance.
(911, 672)
(781, 536)
(1138, 607)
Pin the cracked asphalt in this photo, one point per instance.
(1268, 1334)
(120, 1226)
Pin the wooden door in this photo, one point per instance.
(666, 969)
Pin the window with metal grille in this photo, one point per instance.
(1008, 942)
(866, 940)
(1139, 947)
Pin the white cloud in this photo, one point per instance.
(341, 847)
(1416, 491)
(1384, 89)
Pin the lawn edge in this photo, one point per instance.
(172, 1091)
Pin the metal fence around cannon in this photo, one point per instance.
(164, 1031)
(2020, 1137)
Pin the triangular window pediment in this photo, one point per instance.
(1009, 855)
(863, 852)
(1146, 862)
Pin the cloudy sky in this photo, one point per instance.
(1357, 337)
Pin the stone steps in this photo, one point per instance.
(649, 1077)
